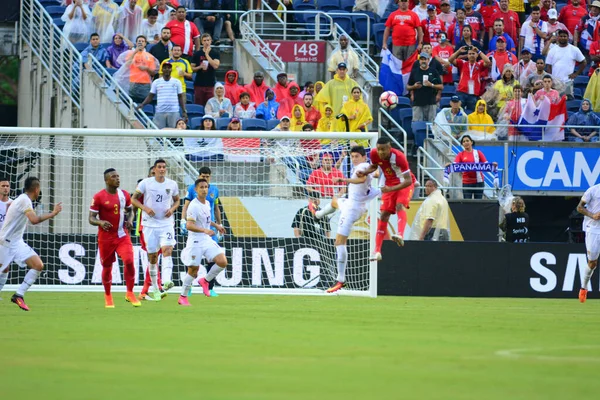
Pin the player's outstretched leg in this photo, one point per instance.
(36, 266)
(342, 260)
(398, 238)
(381, 230)
(328, 209)
(221, 262)
(586, 280)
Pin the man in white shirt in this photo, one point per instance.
(561, 61)
(12, 245)
(161, 200)
(533, 34)
(200, 243)
(4, 203)
(150, 27)
(360, 193)
(589, 206)
(170, 98)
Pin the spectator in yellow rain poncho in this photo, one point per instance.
(298, 119)
(337, 90)
(358, 113)
(592, 90)
(480, 117)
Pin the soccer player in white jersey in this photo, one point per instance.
(360, 193)
(4, 203)
(161, 200)
(589, 206)
(12, 245)
(200, 243)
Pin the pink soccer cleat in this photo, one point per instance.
(18, 300)
(205, 289)
(183, 301)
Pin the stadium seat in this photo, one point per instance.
(148, 109)
(449, 90)
(189, 87)
(445, 102)
(254, 124)
(111, 71)
(581, 82)
(328, 5)
(559, 6)
(361, 24)
(577, 93)
(194, 110)
(377, 32)
(47, 3)
(56, 11)
(324, 26)
(301, 6)
(81, 46)
(345, 22)
(573, 105)
(347, 5)
(223, 122)
(195, 122)
(59, 22)
(403, 102)
(189, 98)
(419, 129)
(272, 123)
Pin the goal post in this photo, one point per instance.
(262, 181)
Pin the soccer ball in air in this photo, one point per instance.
(388, 100)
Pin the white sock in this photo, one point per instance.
(3, 279)
(188, 280)
(328, 209)
(214, 271)
(587, 277)
(154, 276)
(167, 269)
(29, 280)
(342, 259)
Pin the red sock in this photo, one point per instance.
(107, 278)
(401, 221)
(381, 230)
(147, 282)
(129, 275)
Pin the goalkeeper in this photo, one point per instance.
(215, 213)
(360, 193)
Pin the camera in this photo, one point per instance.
(469, 48)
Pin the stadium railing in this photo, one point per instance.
(392, 124)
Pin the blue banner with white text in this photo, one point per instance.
(549, 169)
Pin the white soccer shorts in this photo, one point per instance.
(193, 252)
(592, 245)
(18, 252)
(156, 238)
(351, 211)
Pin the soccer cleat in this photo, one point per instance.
(130, 297)
(398, 239)
(213, 293)
(204, 283)
(18, 300)
(336, 287)
(155, 296)
(108, 301)
(167, 285)
(375, 257)
(311, 208)
(582, 295)
(163, 294)
(183, 301)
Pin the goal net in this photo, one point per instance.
(272, 243)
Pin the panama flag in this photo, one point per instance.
(393, 73)
(542, 115)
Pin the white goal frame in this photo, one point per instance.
(153, 134)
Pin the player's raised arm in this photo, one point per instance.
(38, 219)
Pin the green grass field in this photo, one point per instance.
(293, 347)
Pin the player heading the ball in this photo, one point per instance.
(200, 243)
(161, 200)
(397, 192)
(12, 245)
(360, 193)
(112, 213)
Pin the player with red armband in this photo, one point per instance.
(397, 192)
(112, 213)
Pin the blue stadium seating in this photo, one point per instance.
(581, 82)
(59, 22)
(345, 22)
(419, 129)
(360, 26)
(223, 122)
(148, 109)
(449, 90)
(445, 102)
(272, 123)
(189, 98)
(194, 110)
(347, 5)
(377, 32)
(195, 122)
(403, 102)
(573, 105)
(254, 124)
(81, 46)
(328, 5)
(56, 11)
(324, 27)
(300, 6)
(111, 71)
(577, 94)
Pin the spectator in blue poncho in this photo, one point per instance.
(267, 110)
(584, 117)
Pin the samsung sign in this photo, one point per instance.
(548, 169)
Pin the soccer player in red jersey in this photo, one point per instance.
(112, 213)
(397, 192)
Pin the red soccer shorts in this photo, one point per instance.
(390, 199)
(121, 246)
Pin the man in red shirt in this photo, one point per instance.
(442, 53)
(489, 11)
(571, 14)
(512, 26)
(112, 213)
(184, 33)
(432, 26)
(397, 192)
(311, 114)
(321, 180)
(471, 73)
(500, 57)
(594, 56)
(407, 34)
(475, 19)
(455, 30)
